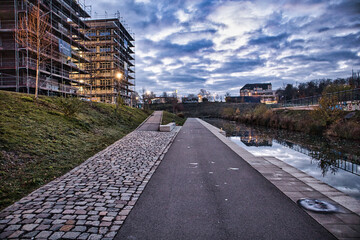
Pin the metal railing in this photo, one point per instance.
(7, 81)
(341, 96)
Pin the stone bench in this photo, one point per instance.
(168, 127)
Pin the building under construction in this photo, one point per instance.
(61, 59)
(111, 67)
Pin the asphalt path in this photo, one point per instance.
(153, 123)
(203, 190)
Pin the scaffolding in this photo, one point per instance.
(18, 63)
(111, 59)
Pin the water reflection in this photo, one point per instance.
(333, 161)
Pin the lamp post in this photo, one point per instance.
(117, 86)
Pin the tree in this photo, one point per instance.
(328, 110)
(33, 32)
(204, 93)
(164, 94)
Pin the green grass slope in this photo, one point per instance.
(170, 117)
(39, 143)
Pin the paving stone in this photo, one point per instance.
(13, 227)
(42, 227)
(56, 235)
(84, 236)
(79, 229)
(56, 227)
(95, 237)
(105, 187)
(93, 230)
(111, 234)
(66, 228)
(29, 227)
(105, 224)
(16, 234)
(5, 234)
(31, 234)
(71, 235)
(44, 234)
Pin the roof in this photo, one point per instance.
(255, 85)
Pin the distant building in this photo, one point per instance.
(263, 91)
(111, 67)
(243, 99)
(157, 100)
(194, 99)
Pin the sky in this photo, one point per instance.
(219, 45)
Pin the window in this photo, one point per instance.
(91, 33)
(105, 65)
(92, 49)
(105, 82)
(0, 42)
(105, 49)
(105, 71)
(105, 33)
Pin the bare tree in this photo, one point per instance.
(33, 33)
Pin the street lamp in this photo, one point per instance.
(117, 86)
(119, 75)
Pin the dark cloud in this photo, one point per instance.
(222, 45)
(240, 65)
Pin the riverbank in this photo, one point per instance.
(40, 141)
(332, 161)
(298, 120)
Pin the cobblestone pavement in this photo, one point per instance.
(92, 200)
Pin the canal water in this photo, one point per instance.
(333, 161)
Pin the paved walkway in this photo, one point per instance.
(92, 200)
(204, 190)
(152, 123)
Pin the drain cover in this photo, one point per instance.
(316, 205)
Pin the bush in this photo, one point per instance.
(228, 112)
(260, 110)
(345, 129)
(180, 115)
(27, 99)
(69, 106)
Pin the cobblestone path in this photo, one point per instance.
(92, 200)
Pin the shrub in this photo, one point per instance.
(27, 99)
(180, 115)
(345, 129)
(260, 110)
(69, 106)
(228, 112)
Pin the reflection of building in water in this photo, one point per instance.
(334, 158)
(251, 137)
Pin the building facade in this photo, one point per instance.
(111, 61)
(261, 91)
(62, 58)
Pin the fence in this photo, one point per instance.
(344, 98)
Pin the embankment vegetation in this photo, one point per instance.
(324, 120)
(170, 117)
(41, 140)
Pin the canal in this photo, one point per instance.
(333, 161)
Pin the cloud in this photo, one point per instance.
(222, 45)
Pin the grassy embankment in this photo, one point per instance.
(312, 122)
(42, 140)
(169, 117)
